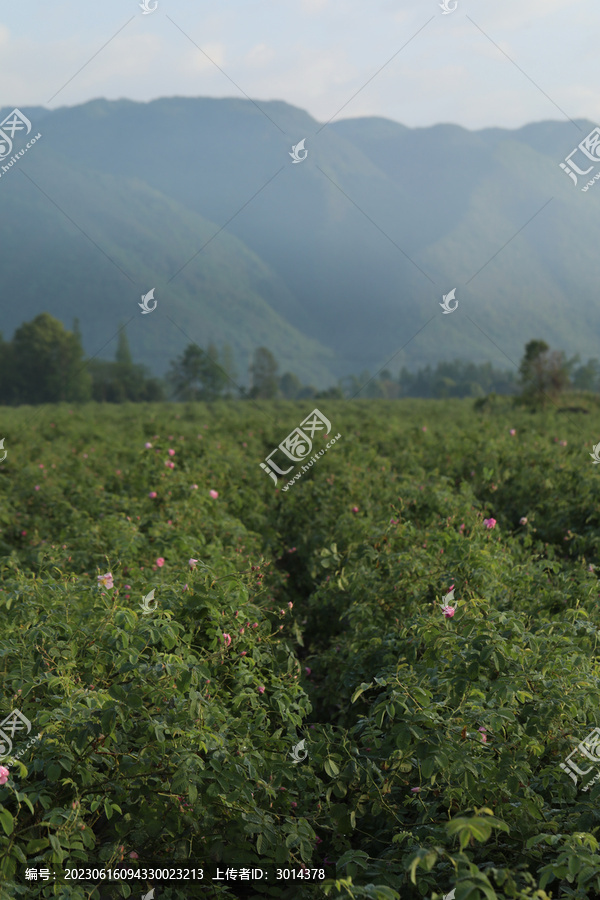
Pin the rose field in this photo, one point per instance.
(376, 673)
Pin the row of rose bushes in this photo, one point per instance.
(313, 614)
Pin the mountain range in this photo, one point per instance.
(337, 263)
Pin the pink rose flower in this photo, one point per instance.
(192, 563)
(415, 790)
(133, 855)
(194, 487)
(307, 670)
(227, 639)
(105, 581)
(171, 452)
(483, 735)
(355, 509)
(489, 523)
(147, 445)
(152, 495)
(512, 432)
(4, 773)
(448, 611)
(523, 520)
(160, 562)
(214, 494)
(261, 690)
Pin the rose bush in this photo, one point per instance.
(433, 741)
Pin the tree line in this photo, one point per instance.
(45, 363)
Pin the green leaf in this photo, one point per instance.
(109, 718)
(7, 821)
(331, 768)
(55, 843)
(364, 687)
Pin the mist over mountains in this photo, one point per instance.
(334, 264)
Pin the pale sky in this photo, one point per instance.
(314, 54)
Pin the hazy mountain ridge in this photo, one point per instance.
(298, 266)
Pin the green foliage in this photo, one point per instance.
(434, 744)
(456, 379)
(543, 373)
(199, 375)
(122, 380)
(44, 364)
(263, 374)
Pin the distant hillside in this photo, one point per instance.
(300, 268)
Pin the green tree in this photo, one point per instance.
(123, 380)
(587, 377)
(263, 372)
(290, 385)
(7, 372)
(228, 366)
(197, 374)
(49, 364)
(215, 377)
(126, 381)
(123, 354)
(543, 373)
